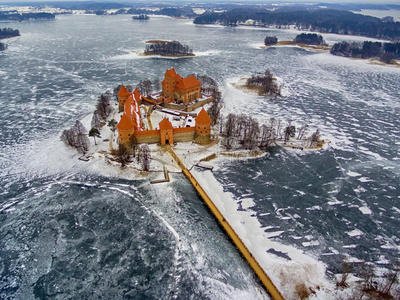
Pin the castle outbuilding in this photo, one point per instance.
(181, 89)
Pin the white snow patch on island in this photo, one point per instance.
(300, 268)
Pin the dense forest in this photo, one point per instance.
(8, 32)
(320, 20)
(165, 48)
(385, 51)
(167, 11)
(15, 16)
(3, 47)
(309, 39)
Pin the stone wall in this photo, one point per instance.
(148, 136)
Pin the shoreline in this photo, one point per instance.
(167, 56)
(313, 48)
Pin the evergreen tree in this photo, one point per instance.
(94, 132)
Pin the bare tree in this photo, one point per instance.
(147, 86)
(157, 85)
(123, 155)
(302, 131)
(103, 107)
(144, 156)
(76, 137)
(314, 138)
(96, 122)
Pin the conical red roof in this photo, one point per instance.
(203, 117)
(123, 91)
(165, 124)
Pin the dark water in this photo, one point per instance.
(72, 230)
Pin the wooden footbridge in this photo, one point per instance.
(266, 281)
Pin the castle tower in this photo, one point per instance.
(203, 122)
(123, 94)
(126, 130)
(169, 83)
(166, 132)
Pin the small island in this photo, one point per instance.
(141, 17)
(3, 47)
(15, 16)
(166, 48)
(6, 33)
(263, 84)
(309, 41)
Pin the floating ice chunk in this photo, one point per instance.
(365, 179)
(349, 246)
(311, 243)
(355, 232)
(353, 174)
(365, 210)
(273, 234)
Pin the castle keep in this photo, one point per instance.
(180, 89)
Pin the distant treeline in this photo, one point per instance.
(168, 11)
(15, 16)
(173, 48)
(8, 32)
(320, 20)
(385, 51)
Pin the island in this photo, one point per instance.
(310, 41)
(140, 17)
(387, 53)
(15, 16)
(263, 84)
(3, 47)
(166, 48)
(7, 33)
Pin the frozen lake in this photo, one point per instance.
(71, 229)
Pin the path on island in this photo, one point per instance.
(266, 281)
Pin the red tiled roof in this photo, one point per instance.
(203, 117)
(170, 73)
(188, 83)
(165, 124)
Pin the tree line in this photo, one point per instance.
(210, 86)
(309, 39)
(140, 153)
(245, 131)
(8, 32)
(15, 16)
(320, 20)
(173, 48)
(385, 51)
